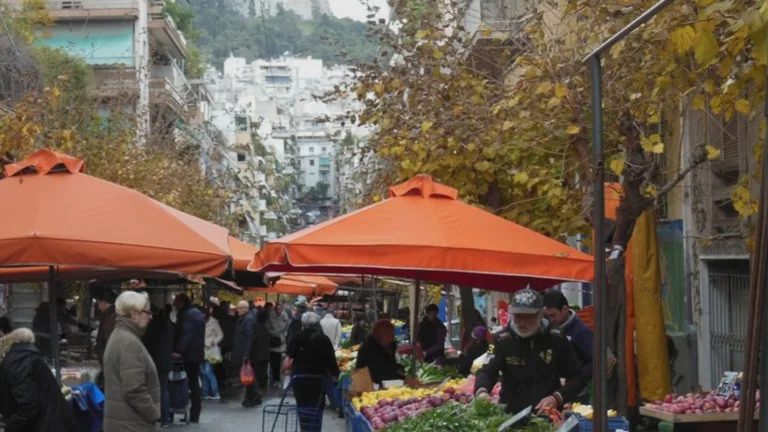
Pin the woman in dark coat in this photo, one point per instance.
(377, 353)
(312, 354)
(261, 348)
(358, 333)
(30, 397)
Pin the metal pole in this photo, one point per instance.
(54, 325)
(764, 328)
(415, 323)
(621, 34)
(601, 347)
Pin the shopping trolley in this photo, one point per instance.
(304, 416)
(178, 391)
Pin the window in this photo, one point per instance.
(311, 149)
(240, 157)
(323, 149)
(311, 162)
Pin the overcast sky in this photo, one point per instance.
(356, 10)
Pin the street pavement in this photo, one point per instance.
(229, 415)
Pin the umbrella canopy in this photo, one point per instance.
(307, 286)
(57, 215)
(423, 232)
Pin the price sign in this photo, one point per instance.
(516, 418)
(569, 424)
(725, 389)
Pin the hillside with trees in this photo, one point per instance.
(221, 31)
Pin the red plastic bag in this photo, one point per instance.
(247, 377)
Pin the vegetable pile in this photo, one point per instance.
(347, 358)
(372, 399)
(700, 403)
(479, 416)
(429, 374)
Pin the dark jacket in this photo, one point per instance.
(581, 337)
(190, 335)
(227, 324)
(244, 336)
(261, 348)
(293, 327)
(30, 397)
(158, 339)
(432, 339)
(358, 334)
(475, 350)
(106, 326)
(531, 368)
(312, 353)
(380, 361)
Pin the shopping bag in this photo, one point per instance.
(287, 365)
(361, 381)
(213, 355)
(247, 377)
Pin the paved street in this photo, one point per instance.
(231, 416)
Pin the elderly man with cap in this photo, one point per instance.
(532, 359)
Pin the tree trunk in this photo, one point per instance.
(616, 324)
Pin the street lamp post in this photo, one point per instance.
(601, 347)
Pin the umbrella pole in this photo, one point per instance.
(415, 323)
(54, 325)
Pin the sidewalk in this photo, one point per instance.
(229, 415)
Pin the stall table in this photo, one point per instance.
(716, 422)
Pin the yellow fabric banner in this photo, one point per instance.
(652, 356)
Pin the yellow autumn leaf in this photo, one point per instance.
(712, 152)
(426, 125)
(573, 129)
(617, 166)
(654, 118)
(683, 39)
(378, 89)
(561, 90)
(421, 34)
(743, 106)
(706, 47)
(658, 148)
(507, 125)
(482, 166)
(698, 103)
(437, 54)
(544, 87)
(521, 177)
(650, 190)
(709, 86)
(553, 102)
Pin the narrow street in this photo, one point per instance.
(229, 415)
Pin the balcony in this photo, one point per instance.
(168, 85)
(325, 161)
(92, 10)
(162, 28)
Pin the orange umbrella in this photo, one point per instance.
(307, 286)
(242, 253)
(57, 215)
(423, 232)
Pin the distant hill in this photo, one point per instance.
(223, 30)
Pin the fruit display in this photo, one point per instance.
(347, 328)
(347, 357)
(700, 403)
(370, 399)
(479, 416)
(587, 412)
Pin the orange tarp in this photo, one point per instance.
(424, 232)
(54, 214)
(308, 286)
(242, 253)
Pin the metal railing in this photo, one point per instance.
(176, 82)
(500, 15)
(729, 291)
(83, 4)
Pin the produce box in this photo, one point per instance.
(614, 424)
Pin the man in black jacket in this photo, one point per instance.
(158, 339)
(242, 349)
(532, 359)
(189, 346)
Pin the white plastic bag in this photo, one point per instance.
(480, 362)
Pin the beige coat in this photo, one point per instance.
(132, 386)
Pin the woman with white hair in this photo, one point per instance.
(132, 385)
(311, 353)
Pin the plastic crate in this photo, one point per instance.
(614, 424)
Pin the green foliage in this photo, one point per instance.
(195, 62)
(183, 17)
(224, 32)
